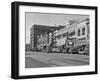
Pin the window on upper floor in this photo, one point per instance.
(72, 33)
(64, 35)
(79, 32)
(83, 31)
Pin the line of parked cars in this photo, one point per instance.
(84, 49)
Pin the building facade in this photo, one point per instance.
(40, 37)
(74, 35)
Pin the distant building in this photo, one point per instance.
(27, 47)
(40, 36)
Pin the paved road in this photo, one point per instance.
(42, 59)
(32, 63)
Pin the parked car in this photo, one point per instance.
(56, 50)
(74, 50)
(84, 50)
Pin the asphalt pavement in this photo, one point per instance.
(43, 59)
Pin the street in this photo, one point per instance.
(43, 59)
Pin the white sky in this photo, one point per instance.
(48, 19)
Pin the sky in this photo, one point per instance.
(49, 19)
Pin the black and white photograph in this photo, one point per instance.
(54, 40)
(50, 40)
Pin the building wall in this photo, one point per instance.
(80, 26)
(42, 40)
(39, 36)
(84, 33)
(71, 32)
(32, 38)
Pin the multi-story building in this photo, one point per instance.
(62, 35)
(70, 36)
(40, 36)
(43, 41)
(74, 35)
(82, 33)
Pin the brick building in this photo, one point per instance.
(40, 36)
